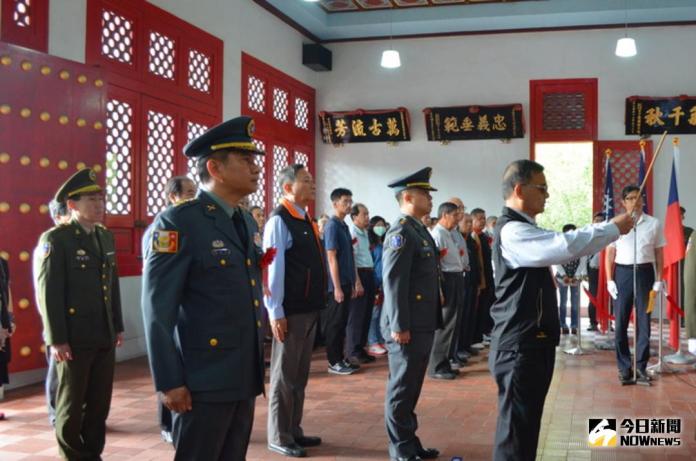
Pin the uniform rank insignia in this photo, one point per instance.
(396, 241)
(46, 249)
(218, 244)
(165, 241)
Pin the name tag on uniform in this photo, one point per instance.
(165, 241)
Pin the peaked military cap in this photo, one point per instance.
(82, 182)
(236, 134)
(418, 180)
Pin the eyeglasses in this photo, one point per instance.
(542, 187)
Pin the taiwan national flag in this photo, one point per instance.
(673, 253)
(602, 295)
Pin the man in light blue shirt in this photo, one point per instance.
(360, 308)
(297, 283)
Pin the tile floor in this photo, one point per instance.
(458, 417)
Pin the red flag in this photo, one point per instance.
(673, 253)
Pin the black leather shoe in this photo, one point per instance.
(592, 328)
(573, 331)
(443, 375)
(428, 453)
(643, 378)
(463, 355)
(626, 377)
(308, 441)
(565, 331)
(293, 451)
(407, 458)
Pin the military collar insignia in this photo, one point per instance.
(218, 244)
(210, 207)
(425, 243)
(396, 241)
(81, 252)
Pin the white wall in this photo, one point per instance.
(491, 69)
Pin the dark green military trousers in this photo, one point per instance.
(82, 402)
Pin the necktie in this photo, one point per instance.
(240, 227)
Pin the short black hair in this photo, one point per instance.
(569, 227)
(289, 174)
(519, 172)
(477, 211)
(628, 189)
(57, 209)
(175, 185)
(446, 208)
(339, 192)
(202, 164)
(682, 210)
(254, 208)
(355, 210)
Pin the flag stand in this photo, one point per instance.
(659, 367)
(578, 350)
(678, 358)
(606, 341)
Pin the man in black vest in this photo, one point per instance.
(526, 325)
(297, 284)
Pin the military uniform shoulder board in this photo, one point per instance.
(396, 241)
(165, 241)
(188, 200)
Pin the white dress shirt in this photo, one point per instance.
(523, 244)
(650, 237)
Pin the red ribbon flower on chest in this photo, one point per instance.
(443, 253)
(354, 241)
(268, 257)
(461, 252)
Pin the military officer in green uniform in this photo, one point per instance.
(78, 292)
(410, 314)
(202, 301)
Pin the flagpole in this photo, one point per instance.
(678, 358)
(605, 341)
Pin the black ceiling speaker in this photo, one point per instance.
(316, 57)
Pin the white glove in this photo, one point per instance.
(692, 345)
(658, 286)
(612, 289)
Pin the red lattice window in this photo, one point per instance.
(301, 157)
(160, 159)
(625, 161)
(119, 157)
(280, 104)
(301, 113)
(256, 93)
(21, 15)
(563, 110)
(193, 130)
(258, 198)
(162, 55)
(280, 161)
(283, 109)
(199, 67)
(25, 23)
(117, 37)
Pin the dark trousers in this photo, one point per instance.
(593, 276)
(407, 366)
(444, 341)
(214, 431)
(484, 322)
(290, 362)
(83, 399)
(468, 318)
(645, 277)
(335, 318)
(51, 386)
(164, 416)
(523, 379)
(360, 314)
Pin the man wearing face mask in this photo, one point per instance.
(619, 264)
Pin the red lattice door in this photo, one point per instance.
(625, 161)
(51, 125)
(25, 23)
(283, 109)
